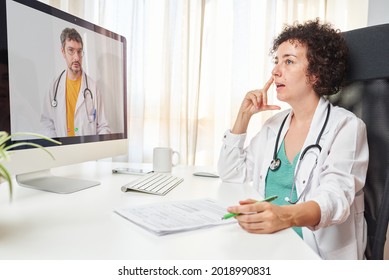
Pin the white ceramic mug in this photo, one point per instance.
(163, 159)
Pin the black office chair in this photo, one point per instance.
(367, 95)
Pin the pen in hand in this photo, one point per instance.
(268, 199)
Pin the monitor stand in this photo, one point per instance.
(45, 181)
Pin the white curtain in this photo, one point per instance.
(190, 62)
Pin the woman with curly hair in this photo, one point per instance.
(313, 156)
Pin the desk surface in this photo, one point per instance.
(82, 225)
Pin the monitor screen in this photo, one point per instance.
(65, 78)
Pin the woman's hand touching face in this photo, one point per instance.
(256, 100)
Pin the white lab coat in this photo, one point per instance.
(337, 181)
(53, 119)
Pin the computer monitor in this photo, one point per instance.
(31, 56)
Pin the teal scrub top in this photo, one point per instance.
(280, 181)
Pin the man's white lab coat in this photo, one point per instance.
(89, 118)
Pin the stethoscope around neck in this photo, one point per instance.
(276, 162)
(87, 91)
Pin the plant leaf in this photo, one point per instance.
(4, 151)
(5, 174)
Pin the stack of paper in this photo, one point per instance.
(173, 217)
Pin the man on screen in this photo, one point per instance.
(73, 105)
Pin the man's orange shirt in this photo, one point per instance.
(72, 90)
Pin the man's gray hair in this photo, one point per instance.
(70, 34)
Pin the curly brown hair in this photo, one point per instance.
(326, 53)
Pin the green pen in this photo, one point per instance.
(268, 199)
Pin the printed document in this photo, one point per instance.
(177, 216)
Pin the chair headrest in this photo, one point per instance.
(368, 53)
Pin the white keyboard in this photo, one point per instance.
(154, 183)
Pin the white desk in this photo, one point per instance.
(82, 225)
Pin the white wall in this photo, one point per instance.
(378, 12)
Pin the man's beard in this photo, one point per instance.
(75, 70)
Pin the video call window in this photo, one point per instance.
(37, 81)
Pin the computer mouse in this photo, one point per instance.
(206, 174)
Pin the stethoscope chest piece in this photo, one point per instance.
(275, 164)
(54, 103)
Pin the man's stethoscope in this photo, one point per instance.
(86, 92)
(276, 162)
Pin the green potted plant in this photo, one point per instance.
(5, 151)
